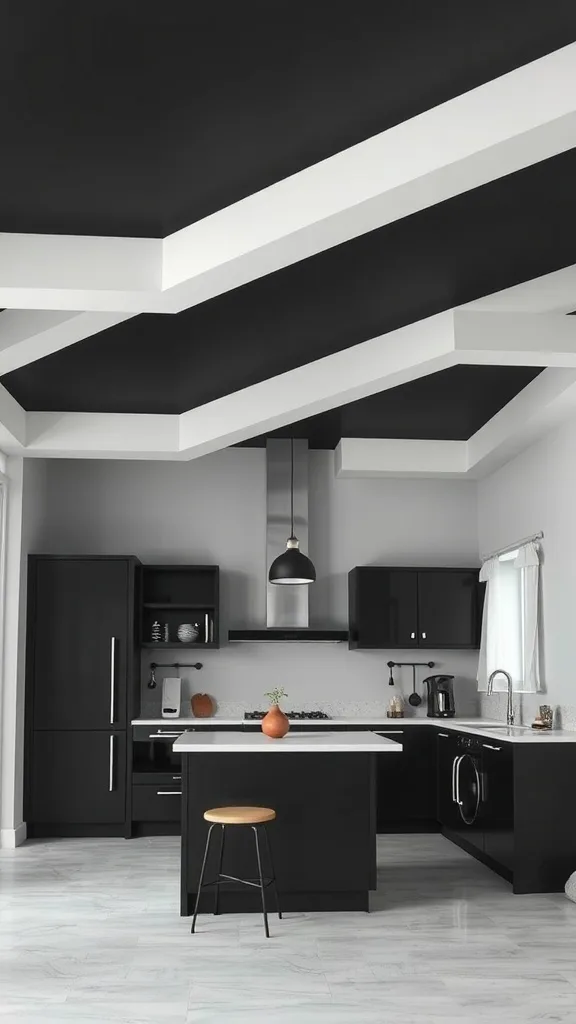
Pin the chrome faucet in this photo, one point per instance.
(490, 690)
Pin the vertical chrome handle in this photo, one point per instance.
(112, 678)
(457, 779)
(454, 764)
(111, 766)
(423, 636)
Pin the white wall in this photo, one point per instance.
(537, 491)
(24, 526)
(213, 510)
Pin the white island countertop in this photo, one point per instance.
(294, 743)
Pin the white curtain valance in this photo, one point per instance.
(510, 621)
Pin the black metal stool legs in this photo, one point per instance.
(219, 872)
(262, 892)
(272, 872)
(220, 878)
(201, 879)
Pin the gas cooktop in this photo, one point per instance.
(289, 714)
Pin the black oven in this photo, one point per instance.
(152, 752)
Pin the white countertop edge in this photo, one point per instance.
(467, 725)
(293, 743)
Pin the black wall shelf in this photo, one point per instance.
(173, 595)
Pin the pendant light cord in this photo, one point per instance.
(291, 486)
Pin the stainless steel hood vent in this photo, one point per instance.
(286, 607)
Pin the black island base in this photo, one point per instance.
(323, 840)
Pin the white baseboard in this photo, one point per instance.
(10, 838)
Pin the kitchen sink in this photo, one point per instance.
(510, 729)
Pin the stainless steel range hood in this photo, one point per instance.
(286, 606)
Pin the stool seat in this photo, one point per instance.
(239, 815)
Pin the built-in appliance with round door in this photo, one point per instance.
(467, 789)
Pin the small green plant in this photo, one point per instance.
(275, 696)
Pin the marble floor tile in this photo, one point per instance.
(90, 932)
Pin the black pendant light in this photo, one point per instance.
(292, 567)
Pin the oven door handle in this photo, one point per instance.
(164, 735)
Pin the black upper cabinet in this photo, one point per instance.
(403, 608)
(81, 635)
(383, 607)
(449, 608)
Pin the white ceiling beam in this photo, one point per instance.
(503, 126)
(512, 122)
(551, 293)
(101, 436)
(548, 400)
(30, 334)
(386, 457)
(376, 365)
(80, 272)
(13, 425)
(515, 339)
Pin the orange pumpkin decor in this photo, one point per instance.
(202, 705)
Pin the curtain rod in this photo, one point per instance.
(510, 547)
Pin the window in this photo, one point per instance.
(510, 621)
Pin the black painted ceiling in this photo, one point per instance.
(508, 231)
(450, 405)
(137, 118)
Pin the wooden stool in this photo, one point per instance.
(255, 818)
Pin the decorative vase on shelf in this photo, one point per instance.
(202, 705)
(275, 724)
(188, 633)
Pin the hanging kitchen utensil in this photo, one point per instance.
(152, 678)
(391, 678)
(414, 699)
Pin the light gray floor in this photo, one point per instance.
(90, 932)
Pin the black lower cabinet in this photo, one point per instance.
(78, 784)
(501, 803)
(407, 783)
(498, 803)
(157, 807)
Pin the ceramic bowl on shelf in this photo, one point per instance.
(188, 632)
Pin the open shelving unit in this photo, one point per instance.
(175, 594)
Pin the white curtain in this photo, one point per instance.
(510, 620)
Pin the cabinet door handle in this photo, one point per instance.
(112, 678)
(423, 636)
(412, 636)
(444, 735)
(111, 766)
(164, 735)
(176, 778)
(390, 732)
(168, 792)
(488, 746)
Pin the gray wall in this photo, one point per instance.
(213, 510)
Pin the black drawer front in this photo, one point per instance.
(168, 780)
(156, 803)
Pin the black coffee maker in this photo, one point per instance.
(440, 697)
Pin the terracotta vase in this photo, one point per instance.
(275, 724)
(202, 705)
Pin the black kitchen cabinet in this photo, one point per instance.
(498, 803)
(79, 781)
(407, 782)
(80, 641)
(449, 608)
(393, 607)
(383, 607)
(446, 757)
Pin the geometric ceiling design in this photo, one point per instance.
(355, 225)
(138, 119)
(449, 405)
(510, 230)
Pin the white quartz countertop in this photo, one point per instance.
(488, 728)
(309, 742)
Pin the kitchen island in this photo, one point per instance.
(322, 786)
